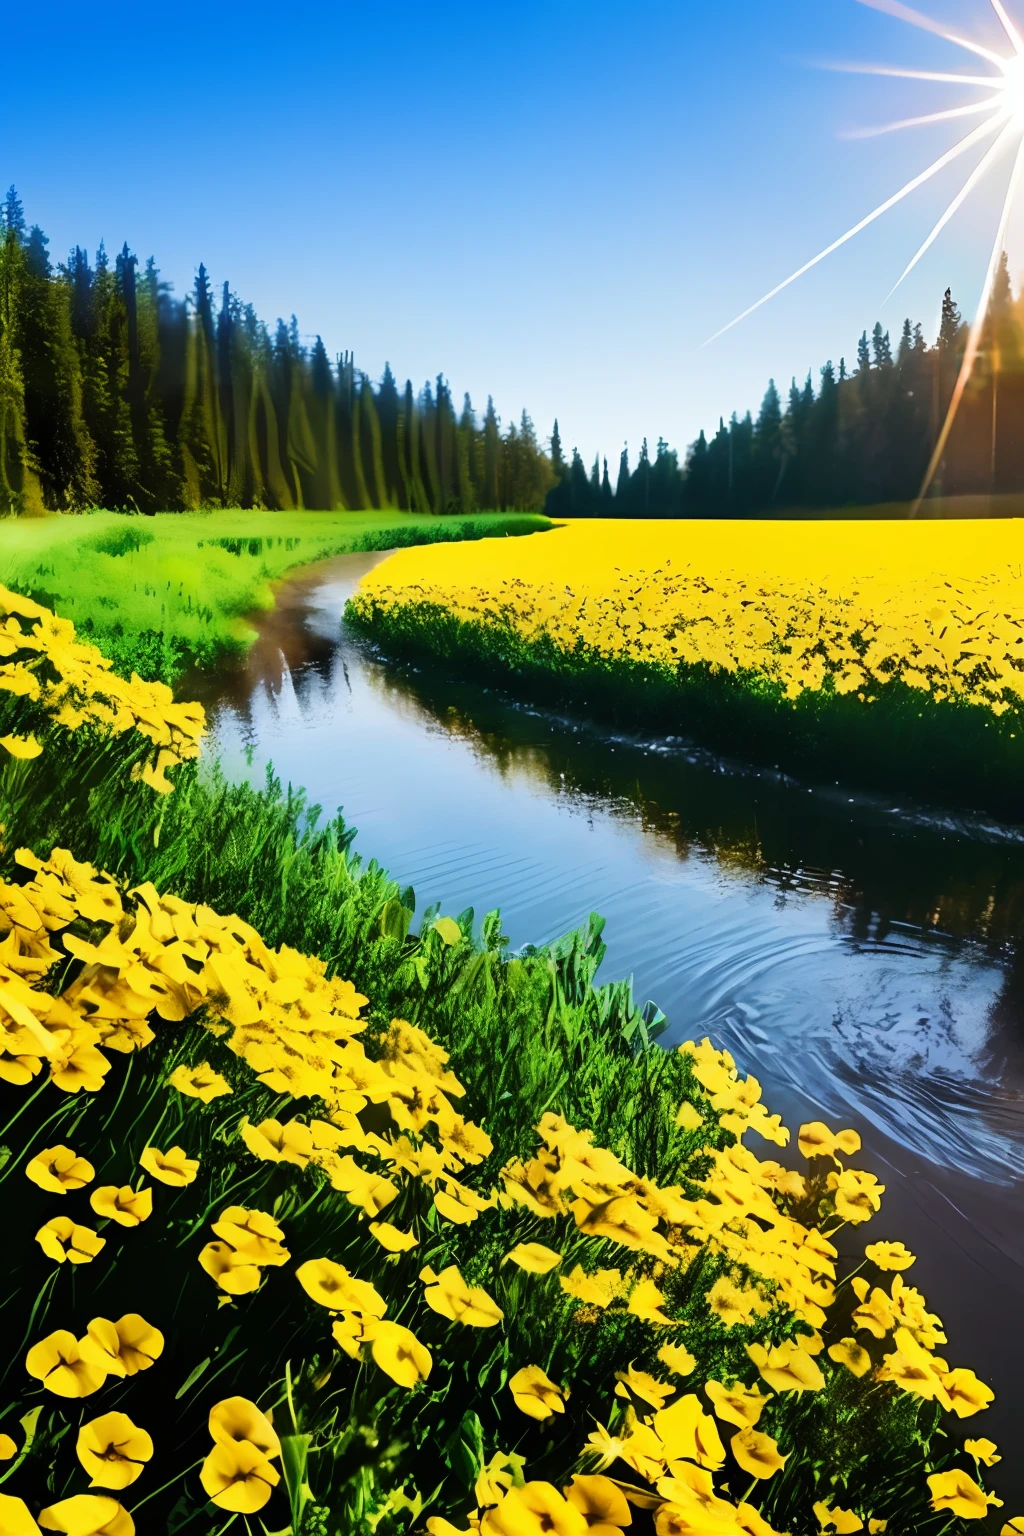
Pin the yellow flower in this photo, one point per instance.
(687, 1432)
(58, 1169)
(647, 1388)
(234, 1274)
(400, 1354)
(26, 747)
(533, 1257)
(126, 1206)
(737, 1405)
(61, 1239)
(753, 1522)
(236, 1419)
(961, 1495)
(983, 1450)
(756, 1453)
(237, 1476)
(967, 1395)
(688, 1117)
(392, 1238)
(816, 1140)
(534, 1395)
(597, 1290)
(877, 1527)
(57, 1362)
(1014, 1527)
(199, 1082)
(857, 1195)
(16, 1518)
(88, 1514)
(254, 1235)
(842, 1521)
(7, 1448)
(113, 1450)
(123, 1348)
(330, 1285)
(449, 1295)
(787, 1367)
(645, 1302)
(851, 1355)
(678, 1359)
(536, 1509)
(277, 1143)
(890, 1255)
(171, 1167)
(601, 1503)
(733, 1303)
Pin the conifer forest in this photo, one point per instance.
(116, 393)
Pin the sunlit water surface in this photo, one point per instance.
(859, 957)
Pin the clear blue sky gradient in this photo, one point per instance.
(552, 202)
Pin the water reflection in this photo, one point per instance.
(859, 956)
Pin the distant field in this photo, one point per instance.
(889, 652)
(159, 592)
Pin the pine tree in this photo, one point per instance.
(607, 495)
(622, 507)
(950, 327)
(492, 450)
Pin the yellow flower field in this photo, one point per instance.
(802, 607)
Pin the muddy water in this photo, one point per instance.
(862, 958)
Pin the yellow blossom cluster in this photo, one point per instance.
(43, 662)
(801, 606)
(375, 1127)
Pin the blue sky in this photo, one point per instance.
(555, 203)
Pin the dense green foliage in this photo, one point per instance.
(158, 593)
(864, 436)
(905, 742)
(114, 393)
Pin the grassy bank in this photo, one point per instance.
(684, 1268)
(158, 593)
(887, 655)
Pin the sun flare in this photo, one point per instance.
(1001, 132)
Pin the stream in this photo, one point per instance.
(861, 957)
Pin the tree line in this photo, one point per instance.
(864, 435)
(116, 394)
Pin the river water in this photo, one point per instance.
(861, 958)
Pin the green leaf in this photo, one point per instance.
(465, 1450)
(294, 1458)
(395, 919)
(191, 1380)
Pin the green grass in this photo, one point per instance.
(159, 593)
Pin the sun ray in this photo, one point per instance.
(975, 333)
(993, 104)
(965, 191)
(1008, 27)
(916, 19)
(893, 71)
(943, 160)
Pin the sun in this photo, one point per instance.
(1011, 92)
(1000, 132)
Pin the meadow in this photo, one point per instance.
(291, 1248)
(162, 593)
(890, 654)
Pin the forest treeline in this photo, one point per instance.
(863, 435)
(114, 393)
